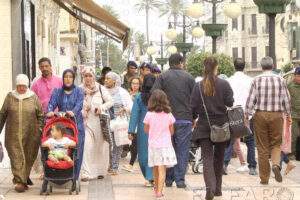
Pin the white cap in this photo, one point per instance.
(22, 79)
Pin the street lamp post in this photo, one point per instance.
(214, 30)
(184, 46)
(161, 61)
(272, 8)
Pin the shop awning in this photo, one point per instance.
(97, 17)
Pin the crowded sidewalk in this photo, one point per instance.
(129, 186)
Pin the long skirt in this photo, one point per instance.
(95, 155)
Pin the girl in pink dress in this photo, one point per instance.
(159, 125)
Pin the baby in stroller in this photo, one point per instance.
(58, 144)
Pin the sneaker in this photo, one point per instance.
(252, 171)
(113, 173)
(148, 184)
(168, 184)
(128, 168)
(225, 170)
(290, 166)
(242, 169)
(85, 179)
(182, 185)
(29, 182)
(100, 177)
(160, 196)
(276, 171)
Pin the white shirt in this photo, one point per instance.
(59, 144)
(240, 84)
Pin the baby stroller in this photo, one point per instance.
(62, 173)
(195, 159)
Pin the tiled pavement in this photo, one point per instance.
(129, 186)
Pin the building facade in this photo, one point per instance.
(28, 32)
(69, 41)
(248, 36)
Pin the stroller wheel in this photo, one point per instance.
(50, 189)
(70, 192)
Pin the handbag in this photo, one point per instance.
(105, 123)
(237, 125)
(217, 133)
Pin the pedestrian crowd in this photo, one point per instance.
(163, 113)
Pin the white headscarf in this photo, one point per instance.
(22, 79)
(95, 86)
(114, 76)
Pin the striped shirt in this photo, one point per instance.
(268, 93)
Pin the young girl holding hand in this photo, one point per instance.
(159, 125)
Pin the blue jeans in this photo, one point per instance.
(284, 158)
(181, 143)
(250, 143)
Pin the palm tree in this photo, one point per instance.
(141, 42)
(147, 5)
(174, 8)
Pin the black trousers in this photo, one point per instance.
(213, 157)
(133, 150)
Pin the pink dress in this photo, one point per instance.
(160, 148)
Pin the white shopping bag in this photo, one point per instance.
(119, 127)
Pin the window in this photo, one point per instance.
(243, 22)
(267, 24)
(235, 24)
(254, 57)
(254, 24)
(243, 53)
(235, 53)
(267, 51)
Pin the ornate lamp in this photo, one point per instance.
(171, 33)
(195, 10)
(198, 32)
(151, 50)
(172, 49)
(232, 10)
(272, 8)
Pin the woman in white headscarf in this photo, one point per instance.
(96, 149)
(122, 104)
(22, 113)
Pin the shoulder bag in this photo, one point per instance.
(105, 123)
(217, 133)
(237, 122)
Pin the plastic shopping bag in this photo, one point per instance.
(119, 127)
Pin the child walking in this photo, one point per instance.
(159, 125)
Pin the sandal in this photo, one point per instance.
(160, 196)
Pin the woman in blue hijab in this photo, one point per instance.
(138, 114)
(69, 99)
